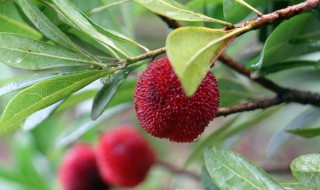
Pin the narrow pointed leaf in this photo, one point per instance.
(24, 53)
(230, 170)
(18, 85)
(106, 93)
(306, 132)
(46, 27)
(306, 169)
(42, 95)
(192, 50)
(279, 46)
(281, 66)
(307, 118)
(101, 101)
(77, 18)
(8, 24)
(175, 10)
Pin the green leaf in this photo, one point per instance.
(230, 170)
(279, 47)
(8, 24)
(42, 95)
(310, 42)
(46, 27)
(176, 11)
(306, 169)
(306, 132)
(234, 11)
(17, 85)
(24, 53)
(289, 65)
(77, 18)
(192, 50)
(108, 90)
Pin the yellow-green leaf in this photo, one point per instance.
(192, 50)
(177, 11)
(42, 95)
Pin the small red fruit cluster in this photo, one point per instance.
(122, 158)
(163, 109)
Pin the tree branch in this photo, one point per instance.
(266, 83)
(250, 106)
(281, 14)
(296, 96)
(283, 95)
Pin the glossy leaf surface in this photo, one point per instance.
(24, 53)
(230, 170)
(306, 169)
(42, 95)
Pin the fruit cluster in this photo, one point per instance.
(122, 158)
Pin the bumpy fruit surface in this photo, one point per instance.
(124, 157)
(163, 109)
(79, 170)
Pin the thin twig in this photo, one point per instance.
(147, 55)
(283, 95)
(266, 83)
(301, 97)
(174, 170)
(281, 14)
(250, 106)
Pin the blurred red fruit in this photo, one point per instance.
(124, 157)
(79, 170)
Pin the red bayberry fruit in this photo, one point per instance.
(79, 170)
(124, 157)
(163, 109)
